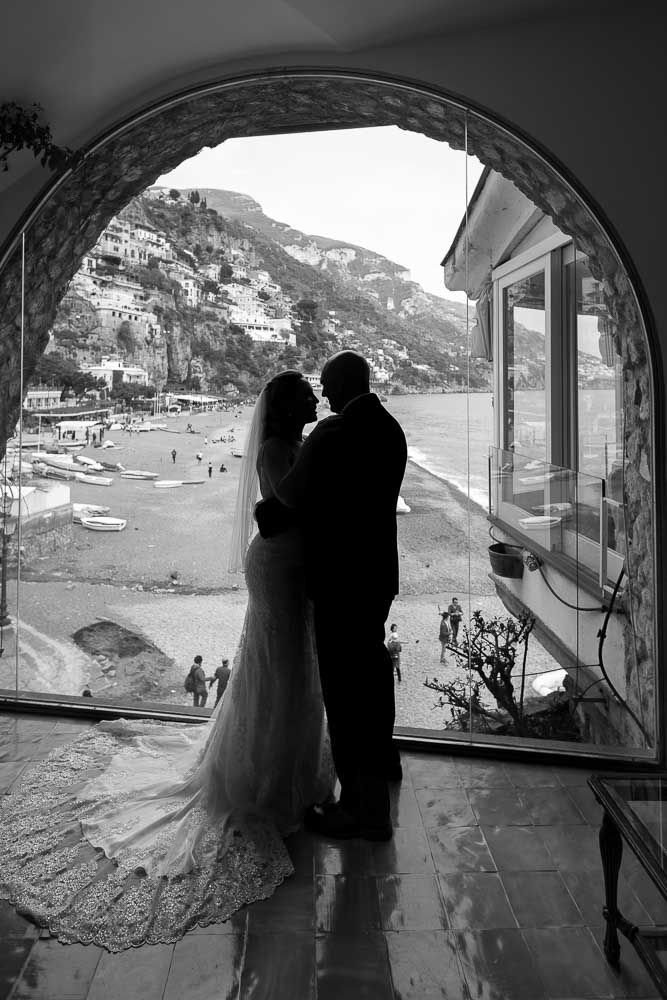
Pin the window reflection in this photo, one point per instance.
(525, 369)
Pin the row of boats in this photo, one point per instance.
(82, 469)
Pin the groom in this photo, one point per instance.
(344, 487)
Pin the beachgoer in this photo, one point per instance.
(190, 806)
(205, 442)
(200, 694)
(221, 675)
(199, 457)
(223, 467)
(210, 469)
(86, 693)
(94, 437)
(444, 635)
(455, 615)
(394, 647)
(173, 455)
(101, 434)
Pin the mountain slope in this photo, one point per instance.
(334, 295)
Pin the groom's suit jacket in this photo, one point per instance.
(344, 485)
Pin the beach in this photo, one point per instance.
(164, 581)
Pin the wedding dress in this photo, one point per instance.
(138, 831)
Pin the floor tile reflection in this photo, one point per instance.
(477, 901)
(497, 965)
(410, 902)
(425, 966)
(353, 966)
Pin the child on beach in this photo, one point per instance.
(394, 647)
(444, 634)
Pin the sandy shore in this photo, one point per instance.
(165, 577)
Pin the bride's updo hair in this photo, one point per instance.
(280, 401)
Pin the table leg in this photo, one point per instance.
(611, 852)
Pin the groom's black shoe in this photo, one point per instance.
(329, 820)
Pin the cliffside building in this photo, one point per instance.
(109, 367)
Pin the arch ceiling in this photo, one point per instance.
(90, 64)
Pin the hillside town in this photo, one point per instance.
(127, 315)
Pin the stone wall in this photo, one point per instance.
(107, 177)
(44, 534)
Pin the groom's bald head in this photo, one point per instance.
(344, 376)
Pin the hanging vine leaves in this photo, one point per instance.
(21, 128)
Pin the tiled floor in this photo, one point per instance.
(491, 889)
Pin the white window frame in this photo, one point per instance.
(560, 385)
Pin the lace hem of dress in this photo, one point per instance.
(54, 876)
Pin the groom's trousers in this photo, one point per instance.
(358, 690)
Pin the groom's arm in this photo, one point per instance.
(292, 489)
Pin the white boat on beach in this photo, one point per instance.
(113, 466)
(80, 510)
(90, 463)
(167, 484)
(237, 453)
(103, 523)
(54, 459)
(52, 471)
(402, 507)
(138, 474)
(85, 477)
(192, 482)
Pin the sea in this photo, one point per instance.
(449, 436)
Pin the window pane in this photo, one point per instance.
(525, 362)
(599, 385)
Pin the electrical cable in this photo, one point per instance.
(575, 607)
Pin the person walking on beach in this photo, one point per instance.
(200, 694)
(210, 469)
(455, 615)
(221, 675)
(444, 635)
(173, 455)
(199, 457)
(394, 647)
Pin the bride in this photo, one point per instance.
(138, 830)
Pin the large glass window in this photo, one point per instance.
(524, 376)
(599, 411)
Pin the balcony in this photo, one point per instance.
(490, 888)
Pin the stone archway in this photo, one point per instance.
(132, 157)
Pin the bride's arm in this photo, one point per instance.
(277, 458)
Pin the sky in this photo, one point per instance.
(397, 193)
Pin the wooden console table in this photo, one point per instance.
(635, 811)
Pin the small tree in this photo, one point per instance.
(490, 649)
(174, 194)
